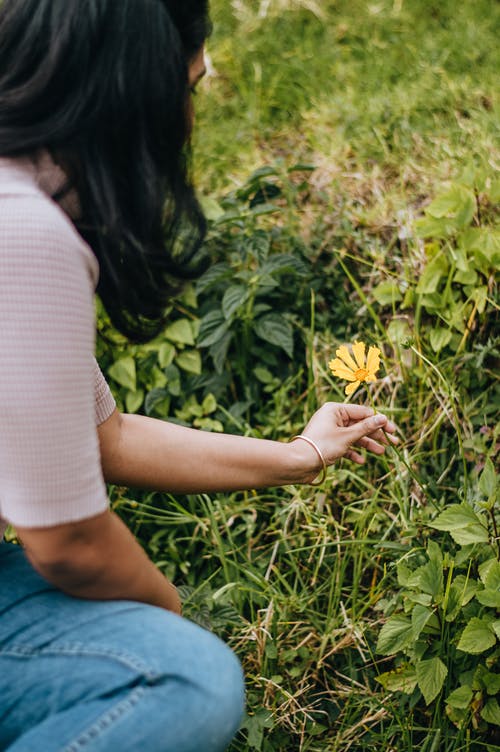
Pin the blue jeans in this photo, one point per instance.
(112, 676)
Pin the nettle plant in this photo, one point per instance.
(445, 634)
(232, 335)
(462, 250)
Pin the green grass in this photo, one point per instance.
(388, 100)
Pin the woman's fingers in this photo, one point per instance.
(370, 445)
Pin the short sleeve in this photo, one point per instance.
(50, 469)
(104, 402)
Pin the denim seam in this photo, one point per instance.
(105, 721)
(81, 649)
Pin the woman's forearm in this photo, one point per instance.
(149, 453)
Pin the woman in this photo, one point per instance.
(95, 115)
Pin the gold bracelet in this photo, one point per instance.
(320, 455)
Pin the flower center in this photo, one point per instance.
(361, 374)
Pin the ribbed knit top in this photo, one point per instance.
(52, 393)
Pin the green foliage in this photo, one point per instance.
(365, 612)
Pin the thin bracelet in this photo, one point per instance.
(320, 455)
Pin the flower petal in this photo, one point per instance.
(343, 352)
(373, 360)
(339, 369)
(351, 388)
(358, 350)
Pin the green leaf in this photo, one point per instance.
(435, 270)
(211, 208)
(181, 332)
(218, 351)
(463, 524)
(263, 375)
(487, 479)
(419, 618)
(400, 680)
(134, 400)
(457, 204)
(157, 403)
(190, 361)
(281, 263)
(491, 712)
(428, 578)
(387, 293)
(471, 534)
(276, 330)
(439, 337)
(489, 597)
(489, 572)
(213, 327)
(461, 697)
(477, 636)
(430, 677)
(234, 297)
(166, 354)
(124, 373)
(395, 635)
(454, 517)
(209, 404)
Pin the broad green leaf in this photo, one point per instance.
(190, 361)
(428, 578)
(211, 208)
(489, 572)
(213, 275)
(439, 337)
(463, 524)
(281, 263)
(400, 680)
(461, 697)
(209, 404)
(496, 628)
(213, 327)
(387, 293)
(404, 573)
(487, 479)
(419, 618)
(263, 375)
(458, 204)
(470, 534)
(234, 297)
(180, 332)
(477, 636)
(157, 403)
(430, 227)
(491, 712)
(489, 597)
(219, 350)
(134, 400)
(432, 275)
(430, 677)
(124, 373)
(166, 354)
(454, 517)
(395, 635)
(276, 330)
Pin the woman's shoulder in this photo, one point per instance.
(31, 222)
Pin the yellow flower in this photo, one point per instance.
(355, 369)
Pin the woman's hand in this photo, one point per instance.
(338, 430)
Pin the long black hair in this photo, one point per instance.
(103, 86)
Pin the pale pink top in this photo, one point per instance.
(52, 393)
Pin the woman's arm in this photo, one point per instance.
(98, 559)
(149, 453)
